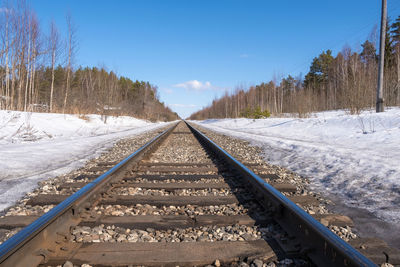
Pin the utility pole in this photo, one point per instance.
(379, 90)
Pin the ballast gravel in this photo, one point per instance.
(181, 147)
(168, 181)
(137, 191)
(113, 234)
(28, 210)
(189, 210)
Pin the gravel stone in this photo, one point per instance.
(343, 232)
(189, 210)
(136, 191)
(202, 180)
(28, 210)
(173, 150)
(202, 234)
(257, 263)
(68, 264)
(7, 234)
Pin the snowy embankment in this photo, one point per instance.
(36, 146)
(355, 158)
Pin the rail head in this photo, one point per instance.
(29, 232)
(323, 246)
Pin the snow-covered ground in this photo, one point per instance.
(36, 146)
(355, 158)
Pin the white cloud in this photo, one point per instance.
(196, 85)
(183, 105)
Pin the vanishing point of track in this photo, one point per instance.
(266, 225)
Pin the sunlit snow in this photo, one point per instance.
(36, 146)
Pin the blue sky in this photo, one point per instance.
(196, 50)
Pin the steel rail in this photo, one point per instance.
(320, 244)
(29, 232)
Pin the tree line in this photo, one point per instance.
(37, 73)
(345, 81)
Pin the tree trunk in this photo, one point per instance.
(52, 79)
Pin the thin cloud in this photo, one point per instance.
(168, 91)
(195, 85)
(244, 56)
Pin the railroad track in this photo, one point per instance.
(180, 200)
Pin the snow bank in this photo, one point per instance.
(37, 146)
(352, 157)
(25, 127)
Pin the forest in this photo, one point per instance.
(37, 73)
(345, 81)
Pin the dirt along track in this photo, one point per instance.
(180, 204)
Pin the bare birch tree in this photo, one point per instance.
(54, 44)
(71, 46)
